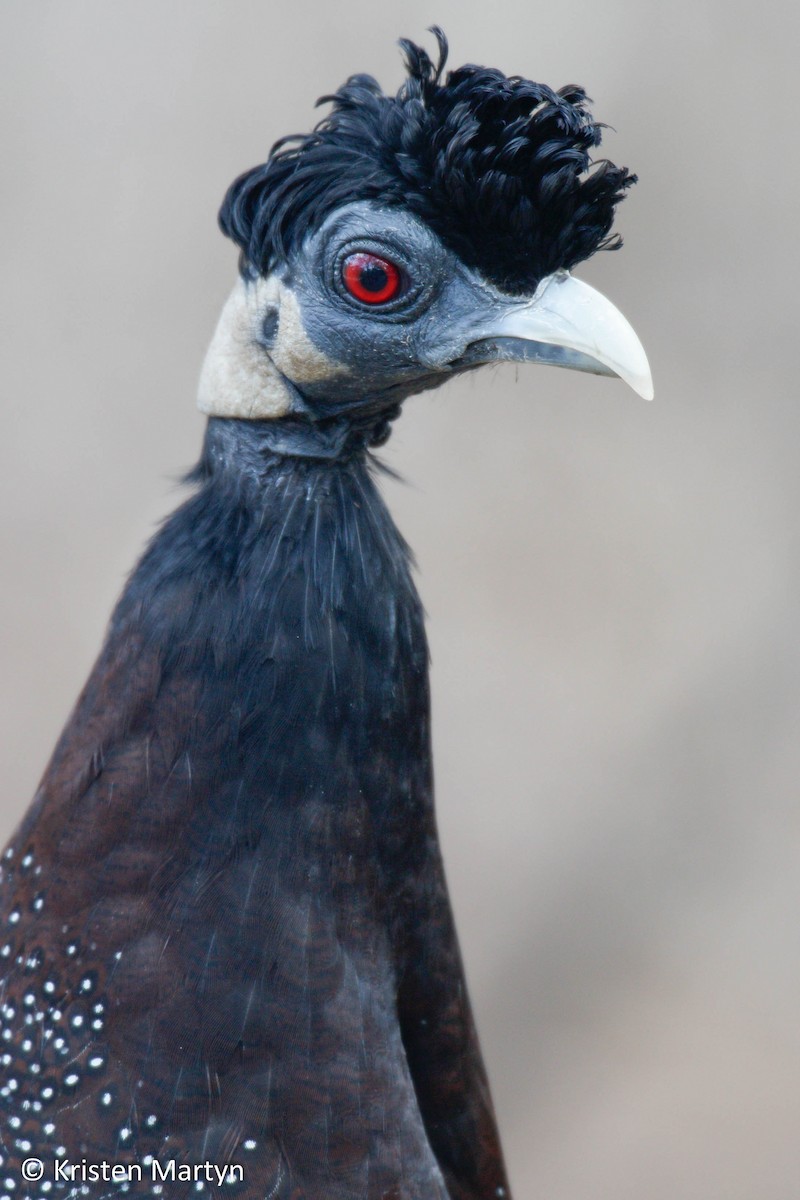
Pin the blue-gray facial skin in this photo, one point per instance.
(444, 319)
(397, 347)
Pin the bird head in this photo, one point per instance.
(409, 238)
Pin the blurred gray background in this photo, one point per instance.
(611, 586)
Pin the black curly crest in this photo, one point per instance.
(499, 167)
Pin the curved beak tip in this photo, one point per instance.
(581, 329)
(641, 380)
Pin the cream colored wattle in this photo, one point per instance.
(239, 377)
(293, 352)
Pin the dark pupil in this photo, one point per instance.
(373, 278)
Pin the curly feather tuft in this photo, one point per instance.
(498, 166)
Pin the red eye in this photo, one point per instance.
(370, 279)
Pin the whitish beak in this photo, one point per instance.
(568, 324)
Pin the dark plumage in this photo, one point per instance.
(495, 165)
(228, 938)
(259, 736)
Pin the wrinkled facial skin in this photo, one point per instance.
(390, 349)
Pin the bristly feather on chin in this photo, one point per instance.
(499, 167)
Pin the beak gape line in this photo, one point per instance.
(567, 323)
